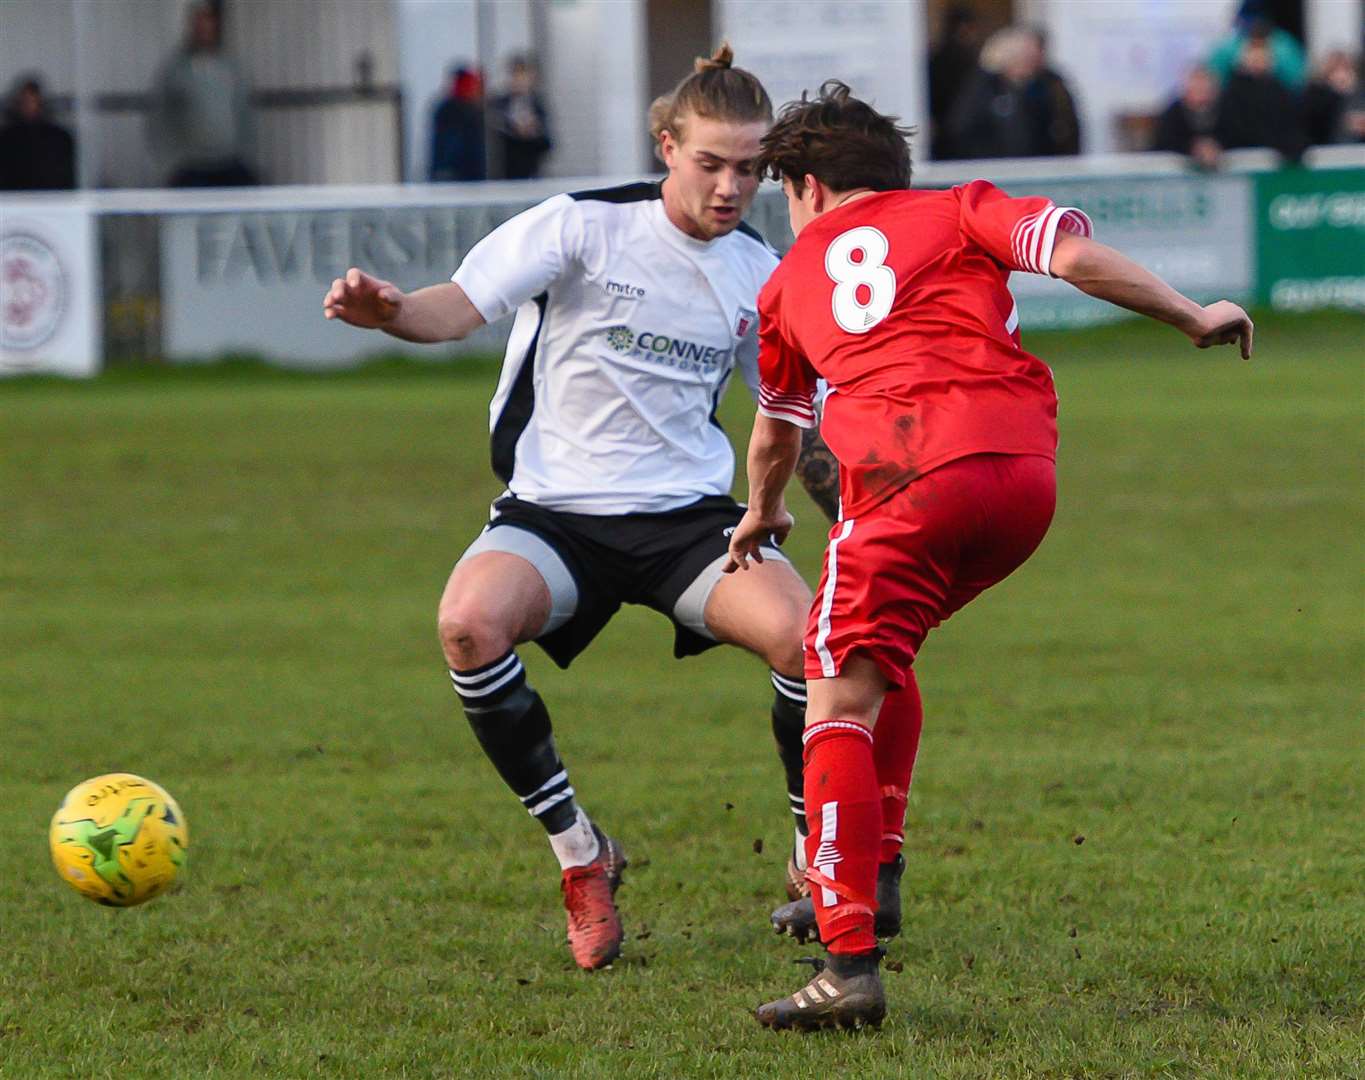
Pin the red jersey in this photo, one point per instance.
(899, 300)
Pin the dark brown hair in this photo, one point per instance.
(714, 90)
(844, 143)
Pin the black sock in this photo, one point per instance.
(849, 965)
(789, 722)
(513, 727)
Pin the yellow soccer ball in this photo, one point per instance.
(119, 839)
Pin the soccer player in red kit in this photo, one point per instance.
(945, 431)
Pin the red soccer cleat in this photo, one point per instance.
(595, 933)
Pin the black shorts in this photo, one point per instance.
(648, 559)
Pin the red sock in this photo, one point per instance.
(895, 742)
(845, 824)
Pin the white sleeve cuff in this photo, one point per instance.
(1067, 219)
(482, 293)
(798, 409)
(795, 418)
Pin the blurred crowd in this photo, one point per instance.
(463, 119)
(1255, 90)
(998, 96)
(36, 154)
(993, 95)
(202, 123)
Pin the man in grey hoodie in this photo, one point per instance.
(202, 128)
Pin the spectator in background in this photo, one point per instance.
(1188, 124)
(1256, 108)
(1005, 110)
(952, 65)
(1351, 127)
(1287, 60)
(202, 127)
(520, 122)
(1064, 125)
(457, 130)
(35, 153)
(1325, 101)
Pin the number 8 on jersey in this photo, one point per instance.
(864, 286)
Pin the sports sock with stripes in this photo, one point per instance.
(513, 727)
(846, 824)
(789, 721)
(895, 743)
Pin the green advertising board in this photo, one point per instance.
(1310, 238)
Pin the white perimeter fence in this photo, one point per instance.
(99, 278)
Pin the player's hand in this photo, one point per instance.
(1224, 323)
(362, 300)
(751, 533)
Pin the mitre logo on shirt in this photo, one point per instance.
(745, 321)
(666, 350)
(624, 288)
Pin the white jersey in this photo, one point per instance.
(626, 335)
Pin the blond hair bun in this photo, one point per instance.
(715, 90)
(722, 58)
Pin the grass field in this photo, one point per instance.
(1136, 846)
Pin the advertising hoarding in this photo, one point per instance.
(49, 280)
(1310, 229)
(1194, 231)
(252, 282)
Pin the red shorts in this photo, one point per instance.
(898, 571)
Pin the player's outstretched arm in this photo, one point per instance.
(1102, 272)
(774, 447)
(437, 313)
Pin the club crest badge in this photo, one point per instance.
(33, 291)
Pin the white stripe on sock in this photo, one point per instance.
(828, 854)
(552, 801)
(827, 725)
(484, 691)
(473, 678)
(558, 777)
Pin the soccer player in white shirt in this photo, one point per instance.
(634, 305)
